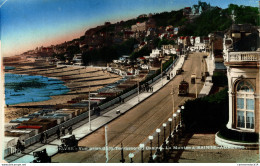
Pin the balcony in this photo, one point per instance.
(249, 56)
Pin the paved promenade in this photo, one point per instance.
(82, 128)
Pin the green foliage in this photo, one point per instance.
(71, 50)
(217, 19)
(174, 18)
(209, 113)
(244, 14)
(145, 51)
(59, 56)
(108, 53)
(219, 79)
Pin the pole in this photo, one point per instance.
(161, 73)
(122, 154)
(89, 120)
(106, 143)
(138, 88)
(158, 140)
(196, 88)
(170, 128)
(142, 155)
(173, 104)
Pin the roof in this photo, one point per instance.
(29, 127)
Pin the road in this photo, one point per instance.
(137, 124)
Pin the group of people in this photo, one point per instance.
(62, 131)
(146, 88)
(20, 146)
(44, 138)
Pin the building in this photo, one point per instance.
(241, 57)
(77, 60)
(144, 26)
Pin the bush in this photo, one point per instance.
(219, 79)
(209, 113)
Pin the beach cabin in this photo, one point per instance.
(45, 123)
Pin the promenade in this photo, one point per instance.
(82, 128)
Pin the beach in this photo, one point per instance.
(79, 79)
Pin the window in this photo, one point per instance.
(245, 105)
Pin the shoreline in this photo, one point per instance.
(76, 80)
(62, 85)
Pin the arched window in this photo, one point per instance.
(245, 105)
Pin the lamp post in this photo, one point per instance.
(164, 139)
(142, 152)
(170, 120)
(158, 131)
(138, 88)
(174, 116)
(122, 154)
(161, 72)
(89, 119)
(151, 151)
(131, 156)
(174, 131)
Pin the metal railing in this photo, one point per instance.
(52, 131)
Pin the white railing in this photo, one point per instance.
(251, 56)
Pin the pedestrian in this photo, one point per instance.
(18, 146)
(45, 138)
(58, 133)
(63, 130)
(123, 100)
(22, 146)
(70, 130)
(120, 100)
(42, 138)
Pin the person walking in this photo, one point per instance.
(22, 146)
(45, 138)
(58, 133)
(70, 130)
(42, 138)
(18, 146)
(63, 130)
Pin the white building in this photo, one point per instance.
(155, 53)
(241, 58)
(77, 60)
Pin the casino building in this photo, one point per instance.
(241, 57)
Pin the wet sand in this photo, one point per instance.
(79, 80)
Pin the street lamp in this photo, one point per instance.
(151, 151)
(158, 131)
(138, 88)
(164, 139)
(174, 116)
(142, 152)
(179, 113)
(161, 73)
(170, 120)
(122, 154)
(131, 155)
(174, 131)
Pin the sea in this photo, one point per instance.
(31, 88)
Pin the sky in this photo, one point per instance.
(27, 24)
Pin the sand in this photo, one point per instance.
(77, 79)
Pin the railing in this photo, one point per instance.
(82, 116)
(252, 56)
